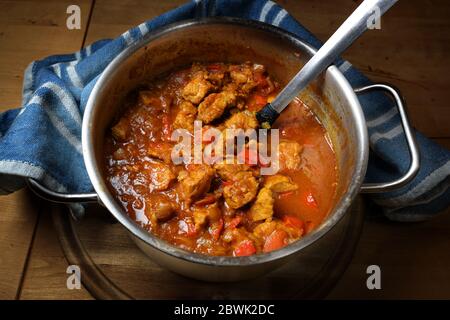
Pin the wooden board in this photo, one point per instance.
(29, 30)
(413, 259)
(410, 51)
(46, 272)
(18, 217)
(112, 267)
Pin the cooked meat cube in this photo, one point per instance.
(209, 213)
(227, 171)
(214, 105)
(263, 230)
(240, 96)
(242, 76)
(262, 208)
(149, 98)
(242, 120)
(280, 183)
(119, 154)
(160, 150)
(185, 117)
(214, 72)
(159, 207)
(197, 88)
(235, 235)
(242, 190)
(120, 130)
(216, 77)
(160, 175)
(195, 181)
(289, 155)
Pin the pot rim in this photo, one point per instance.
(361, 158)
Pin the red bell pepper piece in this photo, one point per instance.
(250, 156)
(227, 183)
(209, 199)
(204, 139)
(245, 248)
(293, 222)
(214, 67)
(309, 226)
(276, 240)
(235, 222)
(256, 102)
(216, 229)
(188, 228)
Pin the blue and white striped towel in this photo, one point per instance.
(42, 139)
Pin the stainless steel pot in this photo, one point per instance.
(331, 97)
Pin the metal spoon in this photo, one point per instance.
(355, 25)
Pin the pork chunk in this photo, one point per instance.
(120, 130)
(228, 171)
(214, 105)
(280, 183)
(242, 120)
(160, 175)
(195, 181)
(264, 229)
(160, 150)
(242, 76)
(202, 215)
(185, 116)
(159, 208)
(149, 99)
(262, 208)
(289, 155)
(197, 88)
(242, 190)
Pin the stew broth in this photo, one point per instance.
(219, 209)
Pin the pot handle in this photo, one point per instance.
(410, 139)
(58, 197)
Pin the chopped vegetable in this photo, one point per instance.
(204, 139)
(257, 102)
(227, 183)
(216, 229)
(292, 221)
(214, 67)
(208, 199)
(309, 226)
(276, 240)
(245, 248)
(235, 222)
(187, 227)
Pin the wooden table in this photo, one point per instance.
(410, 51)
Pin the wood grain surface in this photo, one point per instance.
(410, 51)
(29, 30)
(113, 267)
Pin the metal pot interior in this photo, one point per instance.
(330, 98)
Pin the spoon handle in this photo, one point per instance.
(355, 25)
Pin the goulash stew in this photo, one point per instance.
(226, 207)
